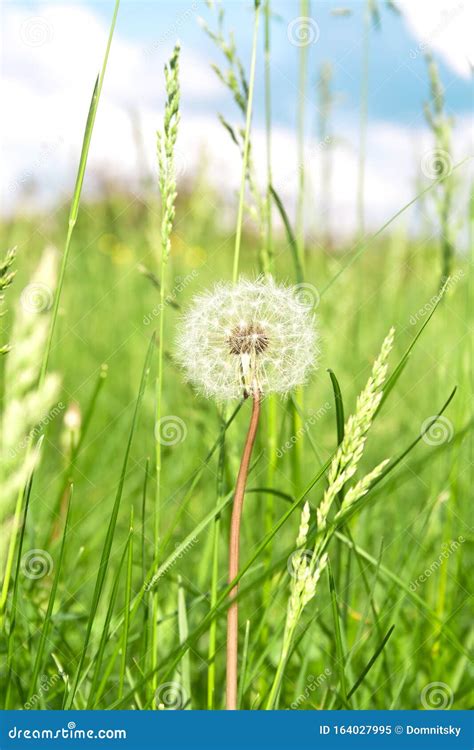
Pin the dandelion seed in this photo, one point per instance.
(255, 336)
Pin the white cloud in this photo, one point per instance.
(445, 27)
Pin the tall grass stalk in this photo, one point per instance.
(438, 163)
(245, 154)
(268, 139)
(305, 11)
(76, 198)
(326, 138)
(71, 224)
(269, 267)
(166, 141)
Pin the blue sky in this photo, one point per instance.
(398, 78)
(53, 50)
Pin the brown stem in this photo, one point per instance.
(233, 611)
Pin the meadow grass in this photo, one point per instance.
(408, 522)
(390, 622)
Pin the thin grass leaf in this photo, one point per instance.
(13, 607)
(128, 595)
(341, 656)
(339, 406)
(243, 665)
(290, 235)
(370, 663)
(95, 692)
(52, 597)
(183, 631)
(76, 199)
(104, 561)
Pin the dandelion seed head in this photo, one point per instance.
(253, 335)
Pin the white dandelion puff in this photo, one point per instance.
(251, 337)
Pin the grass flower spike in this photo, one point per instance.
(307, 566)
(256, 335)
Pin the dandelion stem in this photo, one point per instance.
(233, 612)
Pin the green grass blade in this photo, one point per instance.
(111, 528)
(77, 192)
(244, 664)
(341, 656)
(95, 692)
(183, 631)
(371, 662)
(339, 406)
(52, 597)
(126, 621)
(290, 235)
(13, 608)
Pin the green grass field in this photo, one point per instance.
(99, 612)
